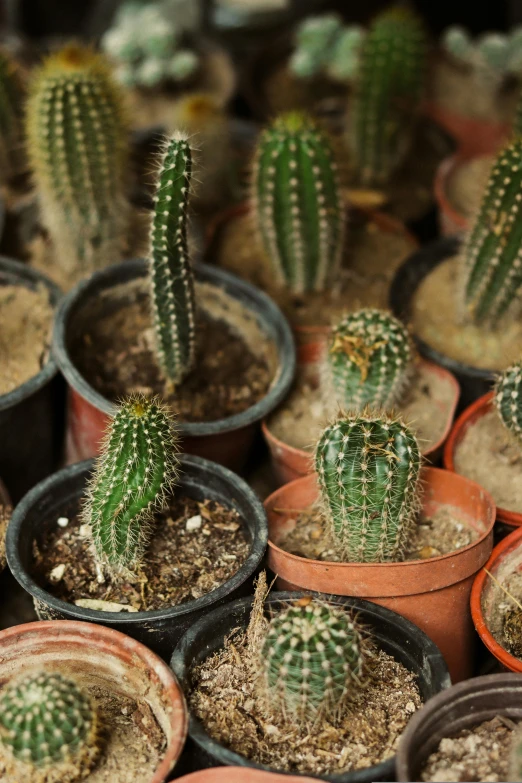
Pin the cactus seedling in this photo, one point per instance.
(48, 722)
(508, 400)
(11, 97)
(369, 360)
(312, 658)
(368, 470)
(298, 205)
(136, 468)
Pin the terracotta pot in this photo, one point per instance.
(242, 775)
(126, 666)
(505, 558)
(461, 707)
(433, 593)
(474, 137)
(467, 418)
(290, 463)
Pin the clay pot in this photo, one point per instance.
(474, 137)
(114, 660)
(505, 559)
(241, 775)
(462, 706)
(432, 593)
(290, 463)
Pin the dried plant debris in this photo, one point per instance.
(5, 516)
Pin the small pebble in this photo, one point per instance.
(63, 521)
(194, 522)
(57, 573)
(85, 531)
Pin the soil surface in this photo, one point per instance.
(5, 516)
(436, 319)
(195, 548)
(479, 754)
(467, 183)
(488, 455)
(26, 318)
(501, 605)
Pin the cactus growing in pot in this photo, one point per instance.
(508, 400)
(11, 102)
(324, 44)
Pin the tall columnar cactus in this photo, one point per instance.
(388, 92)
(11, 102)
(171, 277)
(508, 399)
(298, 205)
(368, 467)
(369, 360)
(311, 660)
(77, 143)
(48, 722)
(136, 468)
(493, 252)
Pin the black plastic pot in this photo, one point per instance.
(31, 416)
(461, 707)
(392, 633)
(161, 629)
(473, 381)
(226, 441)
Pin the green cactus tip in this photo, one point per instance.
(508, 399)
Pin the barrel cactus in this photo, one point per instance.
(170, 271)
(368, 469)
(136, 468)
(492, 256)
(77, 143)
(508, 399)
(49, 723)
(369, 360)
(388, 93)
(11, 103)
(312, 658)
(298, 206)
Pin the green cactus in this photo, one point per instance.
(136, 468)
(298, 206)
(369, 360)
(492, 55)
(171, 276)
(515, 756)
(517, 125)
(314, 38)
(508, 399)
(77, 143)
(493, 252)
(368, 469)
(388, 93)
(48, 721)
(344, 57)
(11, 103)
(311, 660)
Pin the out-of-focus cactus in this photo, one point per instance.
(492, 55)
(323, 45)
(12, 93)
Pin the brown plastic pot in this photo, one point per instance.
(114, 660)
(449, 712)
(505, 558)
(433, 593)
(473, 136)
(474, 412)
(290, 463)
(242, 775)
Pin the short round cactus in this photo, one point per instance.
(369, 360)
(508, 399)
(48, 721)
(311, 660)
(368, 469)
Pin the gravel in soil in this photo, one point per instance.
(195, 547)
(501, 604)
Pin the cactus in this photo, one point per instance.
(515, 756)
(171, 276)
(508, 399)
(298, 205)
(493, 253)
(311, 660)
(48, 721)
(11, 102)
(136, 468)
(369, 360)
(388, 93)
(78, 148)
(344, 58)
(313, 41)
(492, 55)
(368, 468)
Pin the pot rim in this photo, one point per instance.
(53, 482)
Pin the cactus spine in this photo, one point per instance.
(47, 721)
(136, 468)
(311, 660)
(78, 149)
(508, 399)
(171, 276)
(369, 360)
(11, 101)
(368, 468)
(493, 252)
(389, 89)
(298, 205)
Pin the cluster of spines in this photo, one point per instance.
(298, 205)
(493, 251)
(77, 143)
(369, 360)
(388, 93)
(508, 399)
(136, 468)
(11, 102)
(171, 275)
(368, 468)
(48, 721)
(312, 659)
